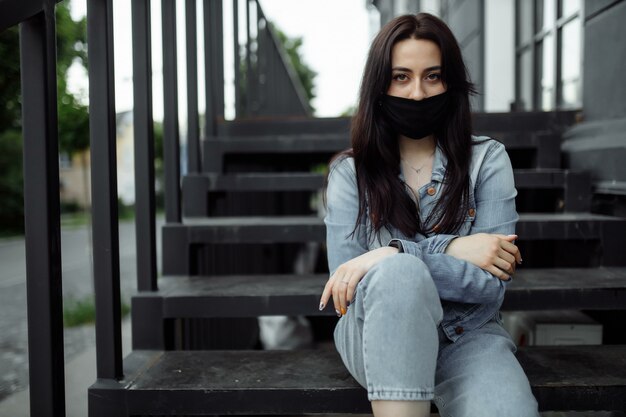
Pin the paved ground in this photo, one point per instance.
(77, 284)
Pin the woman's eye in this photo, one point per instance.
(400, 77)
(433, 77)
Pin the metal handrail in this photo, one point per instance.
(272, 85)
(291, 72)
(41, 200)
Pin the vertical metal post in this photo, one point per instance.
(144, 147)
(171, 142)
(237, 57)
(218, 57)
(41, 212)
(209, 117)
(193, 122)
(104, 189)
(261, 59)
(248, 61)
(214, 64)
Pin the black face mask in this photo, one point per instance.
(415, 119)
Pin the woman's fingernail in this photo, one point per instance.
(338, 313)
(322, 305)
(348, 302)
(343, 311)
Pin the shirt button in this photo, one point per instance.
(471, 212)
(431, 191)
(458, 330)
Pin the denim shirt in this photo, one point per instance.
(470, 296)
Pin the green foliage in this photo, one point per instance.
(11, 183)
(79, 312)
(73, 117)
(304, 72)
(10, 116)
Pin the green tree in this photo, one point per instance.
(73, 115)
(303, 70)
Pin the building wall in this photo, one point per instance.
(466, 19)
(499, 91)
(598, 144)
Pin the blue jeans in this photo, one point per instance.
(391, 342)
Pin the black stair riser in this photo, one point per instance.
(297, 181)
(545, 144)
(178, 239)
(482, 123)
(200, 189)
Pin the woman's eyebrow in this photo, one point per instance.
(434, 68)
(404, 69)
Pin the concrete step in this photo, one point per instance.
(316, 381)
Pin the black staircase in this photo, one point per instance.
(244, 215)
(555, 218)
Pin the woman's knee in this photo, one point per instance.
(402, 275)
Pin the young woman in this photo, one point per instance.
(420, 221)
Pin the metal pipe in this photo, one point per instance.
(42, 214)
(144, 147)
(104, 189)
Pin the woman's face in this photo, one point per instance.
(415, 70)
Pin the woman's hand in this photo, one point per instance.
(492, 252)
(345, 279)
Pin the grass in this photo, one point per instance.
(76, 219)
(83, 311)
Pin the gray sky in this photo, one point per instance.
(336, 35)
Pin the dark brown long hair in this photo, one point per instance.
(375, 147)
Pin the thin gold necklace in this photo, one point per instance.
(418, 170)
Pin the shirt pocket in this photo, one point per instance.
(468, 222)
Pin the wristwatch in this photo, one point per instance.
(395, 243)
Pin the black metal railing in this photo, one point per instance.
(271, 88)
(41, 200)
(266, 83)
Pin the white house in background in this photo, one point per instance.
(75, 172)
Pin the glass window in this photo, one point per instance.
(525, 21)
(548, 64)
(571, 64)
(569, 7)
(526, 80)
(549, 13)
(547, 90)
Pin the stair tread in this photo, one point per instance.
(285, 229)
(277, 181)
(316, 221)
(584, 377)
(278, 294)
(338, 141)
(267, 370)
